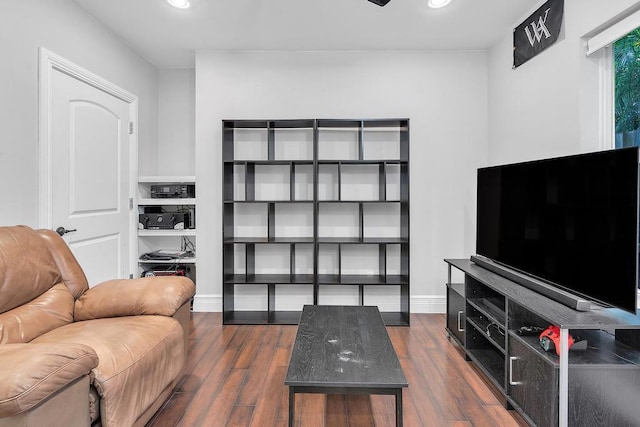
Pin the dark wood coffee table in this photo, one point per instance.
(344, 350)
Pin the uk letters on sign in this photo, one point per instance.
(539, 31)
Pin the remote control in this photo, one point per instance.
(530, 330)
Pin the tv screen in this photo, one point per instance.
(570, 221)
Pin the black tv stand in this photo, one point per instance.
(565, 298)
(597, 386)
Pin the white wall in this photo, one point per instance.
(548, 106)
(60, 26)
(444, 94)
(176, 122)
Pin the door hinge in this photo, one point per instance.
(130, 203)
(130, 128)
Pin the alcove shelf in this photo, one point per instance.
(179, 238)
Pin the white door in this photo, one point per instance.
(90, 169)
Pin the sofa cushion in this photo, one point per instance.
(162, 295)
(52, 309)
(70, 270)
(140, 356)
(27, 268)
(31, 373)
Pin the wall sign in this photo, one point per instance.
(539, 31)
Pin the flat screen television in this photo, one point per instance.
(571, 222)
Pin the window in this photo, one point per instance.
(626, 57)
(620, 39)
(615, 47)
(626, 64)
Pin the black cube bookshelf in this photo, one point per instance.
(313, 209)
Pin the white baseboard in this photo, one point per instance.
(207, 303)
(428, 304)
(419, 304)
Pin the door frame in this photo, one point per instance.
(48, 63)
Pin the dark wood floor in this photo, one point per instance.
(235, 377)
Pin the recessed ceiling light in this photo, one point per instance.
(180, 4)
(438, 3)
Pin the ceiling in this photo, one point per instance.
(168, 37)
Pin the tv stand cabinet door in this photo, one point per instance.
(536, 383)
(455, 315)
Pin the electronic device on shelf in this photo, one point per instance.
(550, 340)
(169, 270)
(166, 255)
(173, 191)
(530, 330)
(165, 221)
(565, 227)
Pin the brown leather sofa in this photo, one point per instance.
(71, 355)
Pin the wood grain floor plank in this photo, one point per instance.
(239, 337)
(269, 336)
(312, 410)
(409, 411)
(457, 373)
(240, 416)
(359, 411)
(220, 410)
(171, 412)
(440, 389)
(250, 347)
(430, 327)
(499, 415)
(335, 413)
(287, 336)
(204, 397)
(265, 412)
(383, 409)
(399, 338)
(428, 411)
(201, 342)
(204, 332)
(234, 376)
(257, 375)
(282, 403)
(471, 375)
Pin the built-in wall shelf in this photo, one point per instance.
(179, 213)
(167, 179)
(166, 233)
(185, 260)
(166, 202)
(314, 212)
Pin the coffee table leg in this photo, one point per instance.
(292, 405)
(399, 407)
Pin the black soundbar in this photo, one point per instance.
(563, 297)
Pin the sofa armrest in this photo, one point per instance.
(31, 373)
(160, 295)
